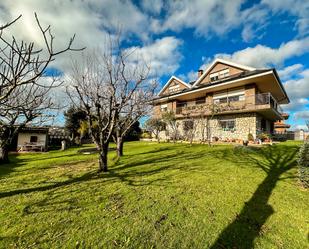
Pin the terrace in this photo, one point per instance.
(263, 103)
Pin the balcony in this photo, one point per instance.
(263, 103)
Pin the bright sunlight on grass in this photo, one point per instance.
(156, 196)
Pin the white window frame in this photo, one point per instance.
(228, 120)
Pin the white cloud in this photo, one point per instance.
(205, 17)
(89, 20)
(302, 115)
(296, 104)
(153, 7)
(298, 8)
(162, 55)
(263, 56)
(297, 89)
(290, 71)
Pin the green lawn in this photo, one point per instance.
(156, 196)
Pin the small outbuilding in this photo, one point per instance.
(32, 139)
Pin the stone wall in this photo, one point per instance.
(244, 124)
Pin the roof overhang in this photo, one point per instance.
(267, 82)
(170, 80)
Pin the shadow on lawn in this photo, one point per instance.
(121, 171)
(248, 224)
(84, 177)
(7, 168)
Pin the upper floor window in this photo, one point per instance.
(182, 104)
(200, 101)
(229, 96)
(219, 75)
(164, 108)
(174, 88)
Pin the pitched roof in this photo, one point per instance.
(230, 78)
(170, 80)
(216, 61)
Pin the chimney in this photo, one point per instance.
(200, 72)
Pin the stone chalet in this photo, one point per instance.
(235, 100)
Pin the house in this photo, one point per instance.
(32, 139)
(232, 100)
(280, 126)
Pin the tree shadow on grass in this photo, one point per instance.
(85, 177)
(248, 224)
(15, 162)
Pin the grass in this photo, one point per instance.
(156, 196)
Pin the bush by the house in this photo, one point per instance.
(303, 163)
(250, 137)
(264, 137)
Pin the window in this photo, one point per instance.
(33, 139)
(200, 101)
(224, 73)
(227, 124)
(188, 125)
(164, 108)
(236, 98)
(229, 96)
(219, 75)
(214, 76)
(182, 104)
(174, 88)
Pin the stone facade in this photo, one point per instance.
(244, 124)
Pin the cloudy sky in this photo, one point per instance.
(179, 37)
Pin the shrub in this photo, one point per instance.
(263, 136)
(146, 134)
(250, 137)
(303, 163)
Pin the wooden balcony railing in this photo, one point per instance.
(252, 102)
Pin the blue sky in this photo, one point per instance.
(179, 37)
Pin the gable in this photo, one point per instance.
(174, 85)
(220, 69)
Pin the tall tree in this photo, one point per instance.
(24, 96)
(109, 87)
(135, 107)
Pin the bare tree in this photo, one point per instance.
(113, 91)
(172, 124)
(24, 96)
(190, 125)
(201, 117)
(136, 98)
(155, 125)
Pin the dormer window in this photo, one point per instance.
(214, 76)
(164, 108)
(174, 88)
(219, 75)
(224, 73)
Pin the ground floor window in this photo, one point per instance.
(33, 139)
(188, 125)
(227, 124)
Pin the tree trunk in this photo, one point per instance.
(4, 154)
(103, 159)
(158, 137)
(119, 146)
